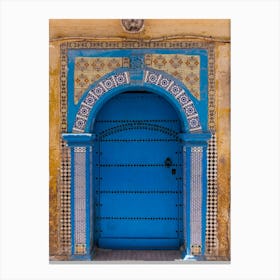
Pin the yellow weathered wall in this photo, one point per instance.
(223, 144)
(217, 31)
(54, 147)
(154, 28)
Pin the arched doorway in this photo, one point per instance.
(137, 173)
(85, 168)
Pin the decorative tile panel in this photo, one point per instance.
(155, 78)
(65, 200)
(94, 94)
(185, 68)
(196, 250)
(211, 220)
(90, 69)
(79, 198)
(65, 166)
(80, 249)
(211, 90)
(209, 46)
(196, 196)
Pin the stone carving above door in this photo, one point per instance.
(132, 25)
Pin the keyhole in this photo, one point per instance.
(168, 162)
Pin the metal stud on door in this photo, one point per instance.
(138, 188)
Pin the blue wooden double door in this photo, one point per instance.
(137, 166)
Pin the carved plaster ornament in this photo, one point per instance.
(132, 25)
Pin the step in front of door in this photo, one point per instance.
(137, 255)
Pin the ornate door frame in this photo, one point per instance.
(194, 139)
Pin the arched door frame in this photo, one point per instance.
(194, 144)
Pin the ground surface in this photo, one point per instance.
(137, 255)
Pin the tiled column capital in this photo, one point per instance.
(195, 139)
(78, 139)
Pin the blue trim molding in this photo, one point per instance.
(72, 203)
(195, 139)
(78, 139)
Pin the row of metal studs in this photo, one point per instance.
(138, 192)
(137, 165)
(139, 218)
(139, 126)
(139, 140)
(133, 121)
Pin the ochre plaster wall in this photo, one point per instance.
(110, 28)
(223, 144)
(217, 31)
(54, 147)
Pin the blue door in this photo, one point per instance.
(138, 174)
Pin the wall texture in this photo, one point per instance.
(216, 31)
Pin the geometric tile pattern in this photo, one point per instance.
(80, 198)
(134, 44)
(150, 77)
(80, 249)
(64, 193)
(196, 197)
(90, 69)
(196, 250)
(211, 220)
(65, 200)
(65, 167)
(155, 78)
(63, 87)
(185, 68)
(94, 94)
(211, 90)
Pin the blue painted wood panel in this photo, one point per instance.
(153, 153)
(145, 178)
(139, 243)
(136, 228)
(140, 204)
